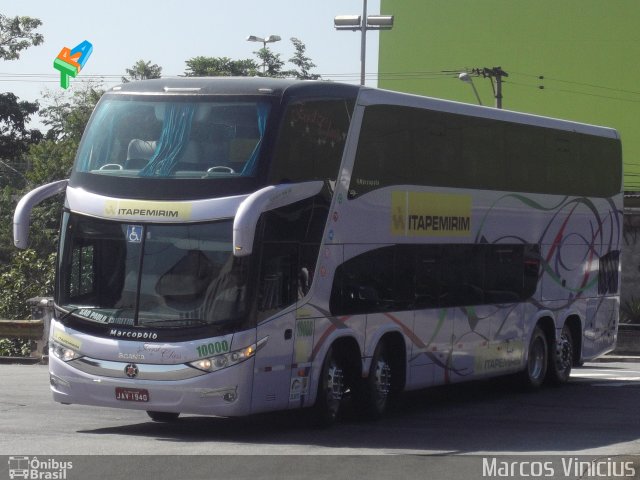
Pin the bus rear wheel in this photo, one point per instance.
(378, 385)
(536, 369)
(561, 358)
(164, 417)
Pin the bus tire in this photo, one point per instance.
(561, 358)
(164, 417)
(535, 371)
(331, 389)
(378, 385)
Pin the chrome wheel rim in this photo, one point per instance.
(382, 381)
(335, 387)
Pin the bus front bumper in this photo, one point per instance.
(226, 392)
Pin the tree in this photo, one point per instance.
(21, 274)
(271, 63)
(220, 67)
(302, 62)
(15, 137)
(16, 34)
(31, 276)
(67, 115)
(50, 160)
(142, 70)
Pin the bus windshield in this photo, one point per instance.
(151, 275)
(170, 136)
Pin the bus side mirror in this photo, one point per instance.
(265, 199)
(22, 214)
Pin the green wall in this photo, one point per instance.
(587, 50)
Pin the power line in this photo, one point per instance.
(574, 92)
(592, 85)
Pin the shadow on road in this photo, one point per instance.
(477, 417)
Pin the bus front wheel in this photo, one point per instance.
(331, 389)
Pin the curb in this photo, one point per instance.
(22, 360)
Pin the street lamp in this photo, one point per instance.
(466, 78)
(269, 39)
(363, 23)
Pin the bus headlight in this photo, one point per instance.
(63, 353)
(218, 362)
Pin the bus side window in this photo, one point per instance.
(82, 278)
(504, 274)
(462, 275)
(380, 280)
(278, 277)
(428, 289)
(311, 141)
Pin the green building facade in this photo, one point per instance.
(572, 59)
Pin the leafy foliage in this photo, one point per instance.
(22, 274)
(142, 70)
(67, 115)
(14, 115)
(271, 63)
(302, 62)
(14, 347)
(220, 67)
(17, 34)
(29, 276)
(30, 273)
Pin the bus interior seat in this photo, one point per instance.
(139, 152)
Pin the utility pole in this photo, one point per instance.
(491, 73)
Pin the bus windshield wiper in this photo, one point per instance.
(73, 310)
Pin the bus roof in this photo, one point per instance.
(279, 87)
(374, 96)
(237, 86)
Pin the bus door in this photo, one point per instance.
(276, 302)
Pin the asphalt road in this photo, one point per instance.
(596, 414)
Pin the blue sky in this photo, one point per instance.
(168, 32)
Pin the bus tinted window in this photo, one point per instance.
(171, 137)
(407, 277)
(154, 275)
(291, 237)
(311, 141)
(411, 146)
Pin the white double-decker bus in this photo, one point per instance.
(234, 246)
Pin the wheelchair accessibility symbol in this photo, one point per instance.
(134, 233)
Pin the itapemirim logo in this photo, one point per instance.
(37, 469)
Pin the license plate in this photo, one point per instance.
(132, 394)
